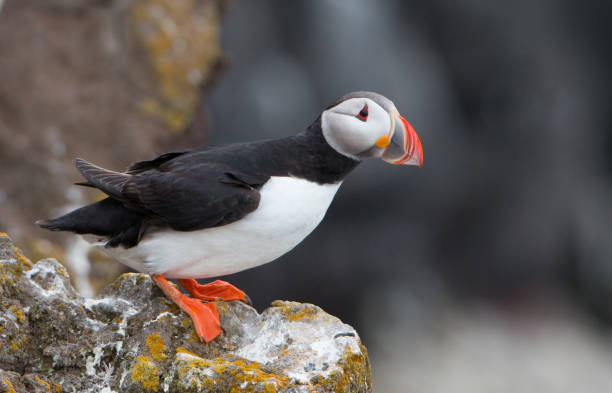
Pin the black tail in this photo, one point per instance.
(108, 218)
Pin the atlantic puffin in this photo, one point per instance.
(209, 212)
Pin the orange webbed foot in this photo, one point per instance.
(216, 290)
(204, 315)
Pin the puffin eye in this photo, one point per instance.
(363, 113)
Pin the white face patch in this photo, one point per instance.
(349, 133)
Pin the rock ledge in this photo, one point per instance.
(131, 339)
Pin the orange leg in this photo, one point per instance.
(204, 315)
(216, 290)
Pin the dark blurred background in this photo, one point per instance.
(489, 269)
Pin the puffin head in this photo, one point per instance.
(364, 124)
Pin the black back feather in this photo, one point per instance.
(142, 166)
(106, 181)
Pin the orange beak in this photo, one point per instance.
(404, 145)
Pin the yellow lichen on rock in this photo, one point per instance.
(17, 312)
(355, 373)
(145, 372)
(11, 271)
(233, 376)
(9, 387)
(183, 350)
(155, 346)
(249, 377)
(22, 258)
(181, 38)
(293, 311)
(186, 322)
(7, 274)
(43, 384)
(61, 269)
(192, 370)
(18, 343)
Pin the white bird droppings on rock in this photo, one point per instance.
(316, 341)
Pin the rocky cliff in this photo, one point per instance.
(132, 339)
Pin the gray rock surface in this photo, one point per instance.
(132, 339)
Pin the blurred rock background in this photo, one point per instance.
(113, 81)
(489, 269)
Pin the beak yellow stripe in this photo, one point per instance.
(383, 141)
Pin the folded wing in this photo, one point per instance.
(183, 194)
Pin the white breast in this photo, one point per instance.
(288, 211)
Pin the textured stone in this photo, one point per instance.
(132, 339)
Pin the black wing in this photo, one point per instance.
(193, 198)
(185, 196)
